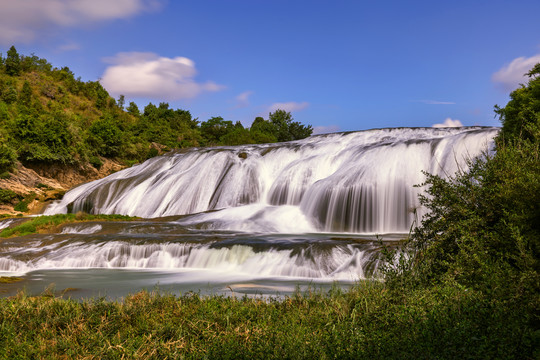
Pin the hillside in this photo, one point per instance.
(68, 131)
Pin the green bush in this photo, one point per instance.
(95, 161)
(106, 137)
(22, 205)
(7, 196)
(8, 158)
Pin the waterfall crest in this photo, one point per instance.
(358, 182)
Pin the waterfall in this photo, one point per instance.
(357, 182)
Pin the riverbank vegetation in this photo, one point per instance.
(50, 222)
(366, 322)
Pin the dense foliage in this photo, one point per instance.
(521, 116)
(483, 229)
(49, 116)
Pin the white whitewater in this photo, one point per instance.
(342, 262)
(358, 182)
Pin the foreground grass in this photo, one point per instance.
(366, 322)
(48, 222)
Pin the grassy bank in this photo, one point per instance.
(50, 222)
(367, 322)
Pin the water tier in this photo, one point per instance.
(358, 182)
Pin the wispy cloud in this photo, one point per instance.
(26, 20)
(242, 100)
(325, 129)
(436, 102)
(513, 74)
(147, 75)
(288, 106)
(448, 122)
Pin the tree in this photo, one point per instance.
(106, 136)
(133, 109)
(214, 128)
(121, 101)
(520, 118)
(8, 158)
(13, 62)
(286, 129)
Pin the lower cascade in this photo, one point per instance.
(254, 219)
(358, 182)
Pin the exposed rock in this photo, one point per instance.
(50, 182)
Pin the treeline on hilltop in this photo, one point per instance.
(47, 115)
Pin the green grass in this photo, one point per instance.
(366, 322)
(42, 223)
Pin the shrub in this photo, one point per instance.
(7, 196)
(8, 158)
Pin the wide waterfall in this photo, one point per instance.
(253, 219)
(358, 182)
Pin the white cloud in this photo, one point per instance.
(448, 123)
(325, 129)
(435, 102)
(242, 100)
(288, 106)
(513, 74)
(26, 20)
(147, 75)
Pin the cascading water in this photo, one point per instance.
(359, 182)
(251, 216)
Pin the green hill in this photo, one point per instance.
(48, 116)
(54, 123)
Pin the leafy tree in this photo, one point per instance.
(133, 109)
(520, 118)
(264, 126)
(13, 62)
(215, 128)
(121, 101)
(286, 129)
(8, 157)
(237, 136)
(106, 137)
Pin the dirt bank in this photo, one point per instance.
(40, 184)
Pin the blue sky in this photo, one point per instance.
(338, 65)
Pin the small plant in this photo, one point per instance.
(7, 196)
(22, 206)
(95, 161)
(43, 186)
(47, 222)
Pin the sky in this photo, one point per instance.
(337, 65)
